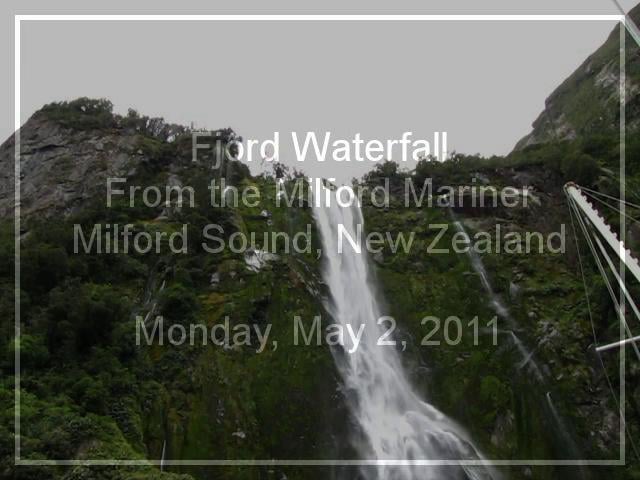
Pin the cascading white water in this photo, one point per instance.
(478, 266)
(527, 356)
(563, 432)
(497, 304)
(395, 423)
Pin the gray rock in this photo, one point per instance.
(61, 168)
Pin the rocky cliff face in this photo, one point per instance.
(68, 150)
(61, 168)
(503, 395)
(586, 103)
(87, 390)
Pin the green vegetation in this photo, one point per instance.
(81, 114)
(88, 392)
(492, 390)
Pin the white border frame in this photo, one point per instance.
(296, 17)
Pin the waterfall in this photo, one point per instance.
(478, 266)
(497, 304)
(164, 446)
(565, 436)
(528, 361)
(394, 422)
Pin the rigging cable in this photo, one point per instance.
(603, 202)
(595, 338)
(610, 197)
(604, 275)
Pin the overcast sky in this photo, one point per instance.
(482, 82)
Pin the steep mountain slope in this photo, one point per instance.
(586, 103)
(89, 390)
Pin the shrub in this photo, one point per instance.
(178, 302)
(580, 168)
(33, 351)
(82, 114)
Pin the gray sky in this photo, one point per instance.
(482, 82)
